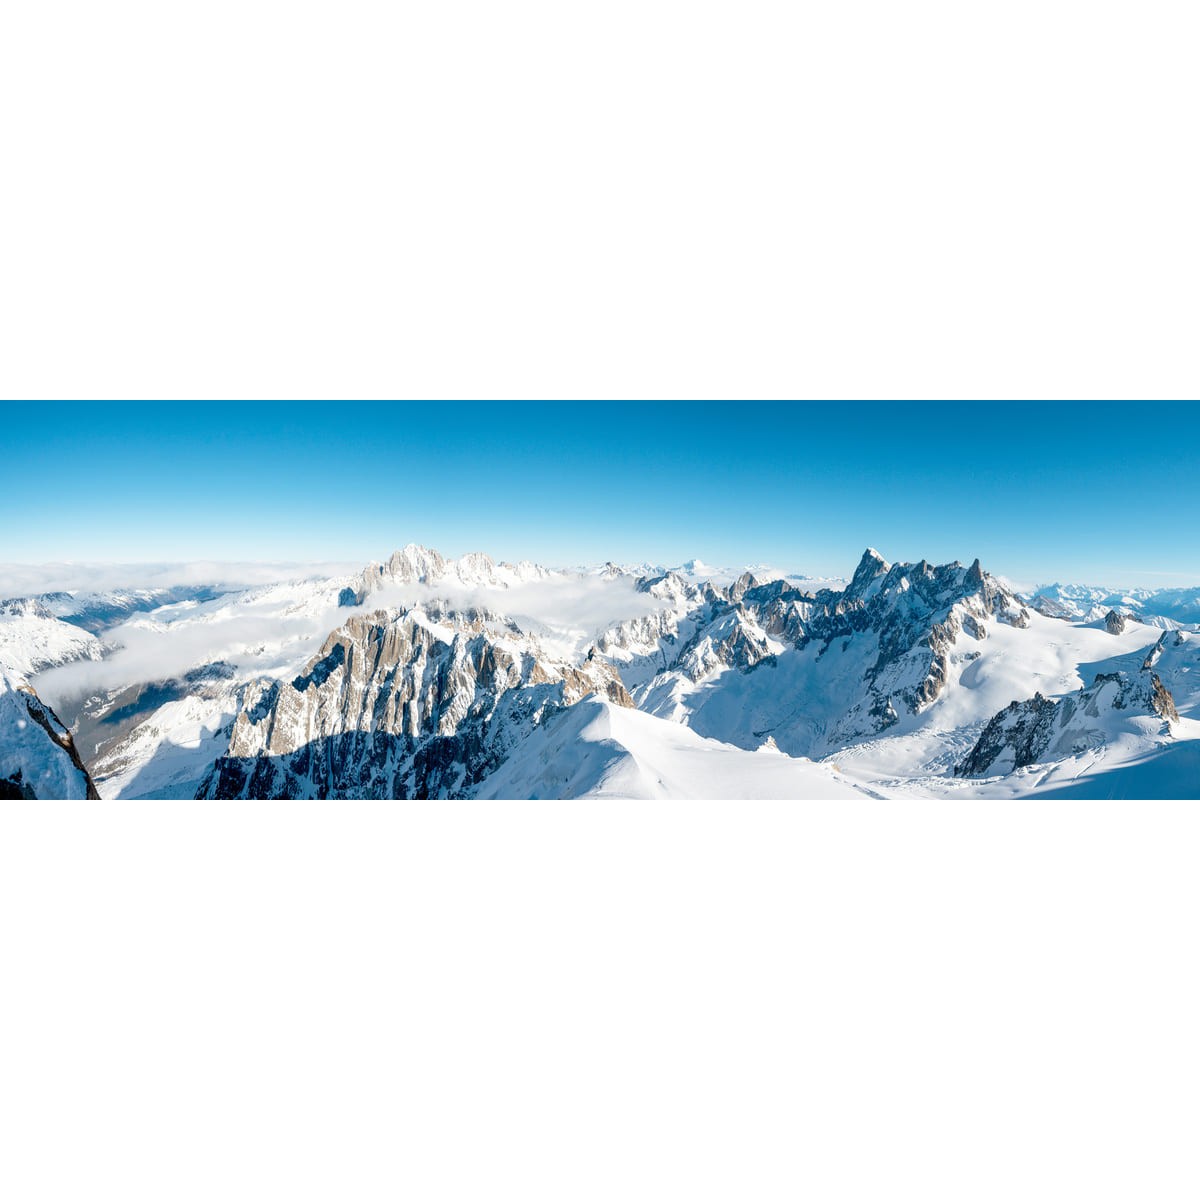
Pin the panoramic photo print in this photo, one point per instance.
(628, 600)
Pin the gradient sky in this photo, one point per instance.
(1086, 492)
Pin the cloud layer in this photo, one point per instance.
(275, 629)
(30, 579)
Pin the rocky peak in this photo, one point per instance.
(26, 606)
(393, 705)
(476, 567)
(415, 564)
(526, 570)
(870, 567)
(1035, 730)
(676, 588)
(744, 583)
(1114, 622)
(1168, 640)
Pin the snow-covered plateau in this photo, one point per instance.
(432, 677)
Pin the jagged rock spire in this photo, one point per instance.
(870, 566)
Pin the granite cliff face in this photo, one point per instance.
(395, 705)
(1175, 657)
(1036, 730)
(916, 612)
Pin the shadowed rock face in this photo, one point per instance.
(391, 707)
(1024, 727)
(1028, 731)
(15, 787)
(1161, 700)
(23, 710)
(1114, 622)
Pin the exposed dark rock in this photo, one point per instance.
(1040, 728)
(14, 788)
(393, 708)
(42, 715)
(1161, 700)
(908, 616)
(1025, 727)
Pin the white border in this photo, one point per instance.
(642, 199)
(596, 1000)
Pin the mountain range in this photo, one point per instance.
(426, 676)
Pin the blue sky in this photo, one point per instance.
(1080, 491)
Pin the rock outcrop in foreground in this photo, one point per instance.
(1037, 730)
(38, 759)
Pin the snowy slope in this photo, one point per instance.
(96, 611)
(1170, 771)
(1050, 656)
(37, 757)
(1129, 714)
(32, 638)
(600, 750)
(167, 755)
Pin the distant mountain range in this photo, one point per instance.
(423, 676)
(1163, 606)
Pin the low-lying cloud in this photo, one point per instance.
(147, 649)
(31, 579)
(276, 630)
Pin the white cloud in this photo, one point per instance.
(564, 604)
(275, 630)
(26, 579)
(258, 632)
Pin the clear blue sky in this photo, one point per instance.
(1088, 492)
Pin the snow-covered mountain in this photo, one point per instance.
(1166, 607)
(33, 638)
(814, 671)
(401, 704)
(430, 676)
(1116, 706)
(603, 750)
(96, 611)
